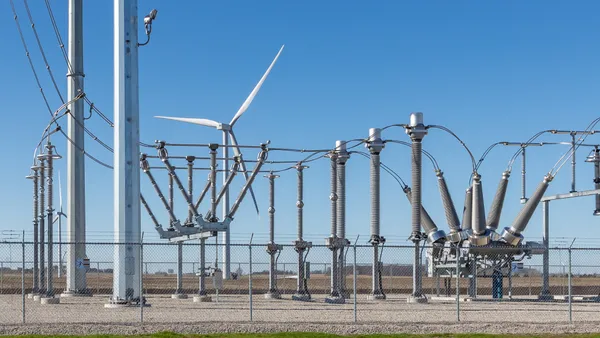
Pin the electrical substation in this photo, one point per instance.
(478, 243)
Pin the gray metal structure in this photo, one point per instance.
(196, 225)
(332, 242)
(417, 131)
(594, 157)
(545, 293)
(300, 245)
(344, 243)
(227, 129)
(375, 145)
(42, 222)
(49, 298)
(272, 248)
(76, 278)
(34, 176)
(127, 226)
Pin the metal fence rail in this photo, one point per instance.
(517, 290)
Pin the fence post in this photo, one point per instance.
(354, 280)
(457, 283)
(23, 279)
(142, 301)
(570, 291)
(570, 284)
(97, 277)
(250, 274)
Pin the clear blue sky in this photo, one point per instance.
(490, 71)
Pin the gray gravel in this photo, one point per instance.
(262, 327)
(79, 316)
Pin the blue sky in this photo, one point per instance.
(490, 71)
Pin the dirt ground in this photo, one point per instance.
(101, 283)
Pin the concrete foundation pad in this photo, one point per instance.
(123, 304)
(68, 294)
(449, 299)
(301, 297)
(335, 300)
(416, 300)
(49, 300)
(378, 296)
(546, 297)
(179, 296)
(272, 295)
(202, 299)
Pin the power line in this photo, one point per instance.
(68, 62)
(52, 114)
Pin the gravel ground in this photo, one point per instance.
(78, 316)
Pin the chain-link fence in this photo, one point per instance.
(513, 289)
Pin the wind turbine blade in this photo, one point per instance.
(202, 122)
(236, 151)
(254, 92)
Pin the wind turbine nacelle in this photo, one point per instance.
(223, 126)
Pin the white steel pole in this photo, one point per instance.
(126, 137)
(76, 279)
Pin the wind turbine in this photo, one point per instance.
(229, 134)
(59, 215)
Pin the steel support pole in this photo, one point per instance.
(127, 226)
(202, 296)
(226, 240)
(573, 189)
(190, 169)
(473, 279)
(272, 248)
(76, 218)
(545, 293)
(300, 245)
